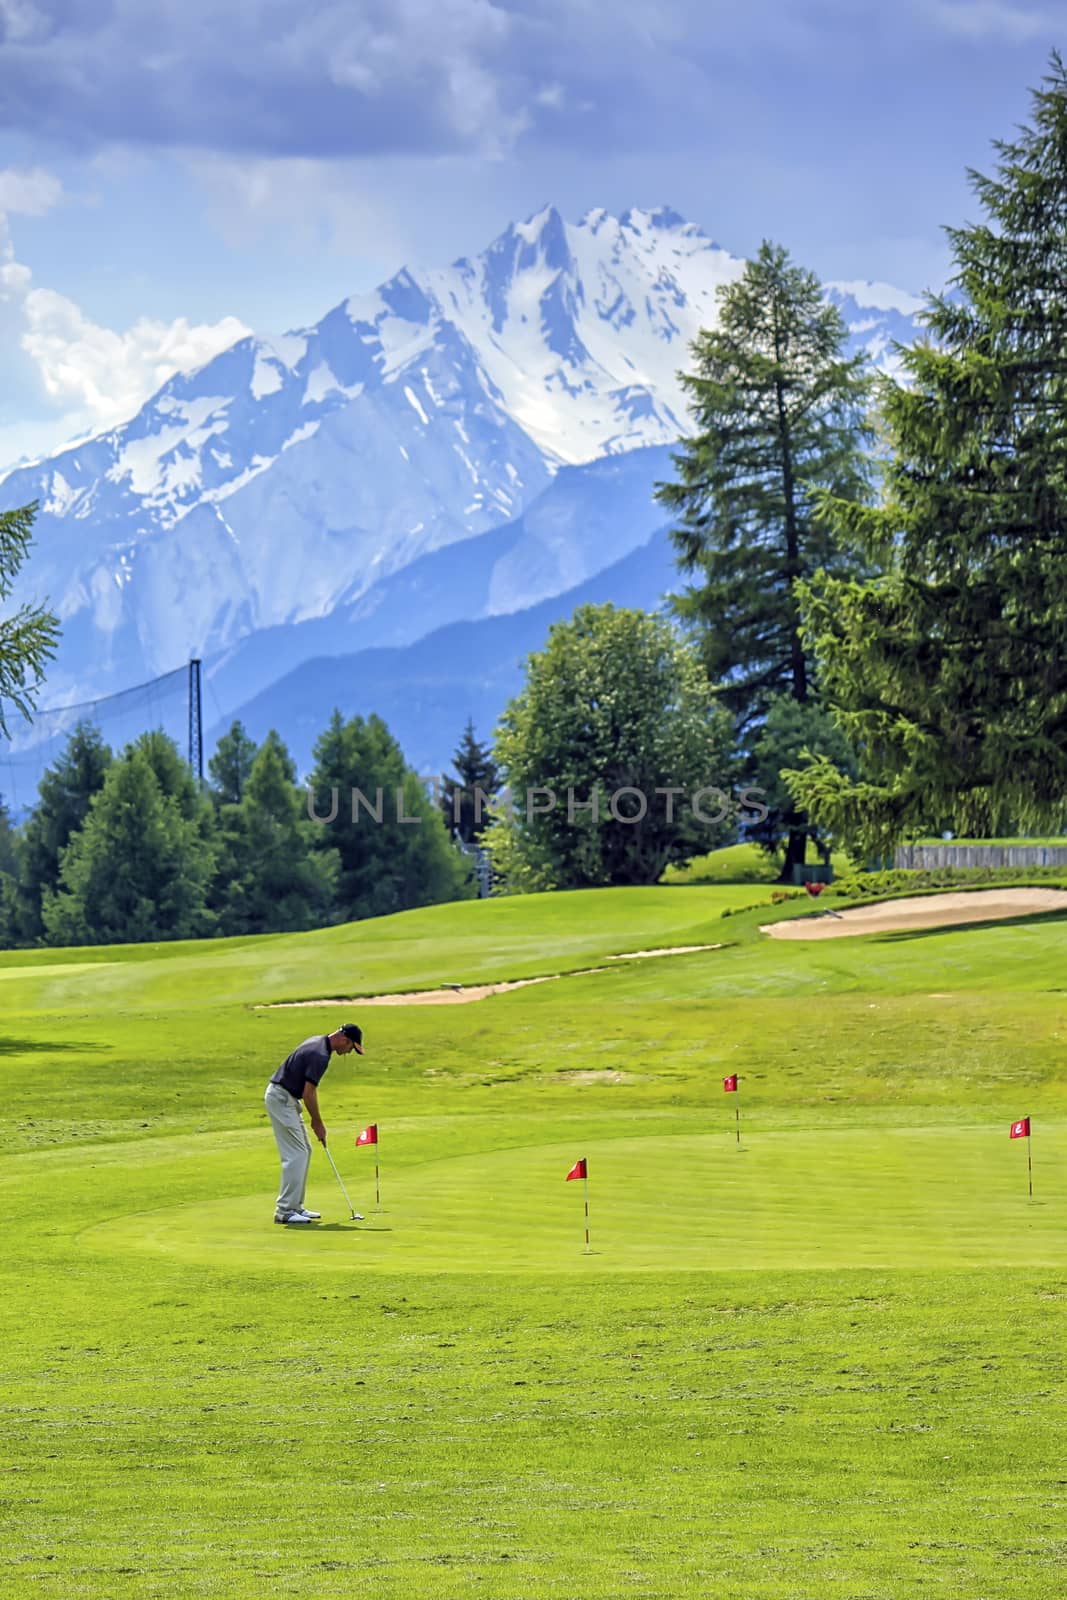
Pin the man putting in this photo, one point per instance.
(297, 1079)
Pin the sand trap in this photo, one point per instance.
(458, 994)
(678, 950)
(922, 911)
(433, 997)
(596, 1075)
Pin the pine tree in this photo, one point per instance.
(387, 863)
(949, 673)
(137, 869)
(10, 922)
(789, 731)
(28, 638)
(64, 796)
(271, 876)
(8, 842)
(463, 807)
(173, 774)
(779, 412)
(231, 765)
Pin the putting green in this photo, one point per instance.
(910, 1197)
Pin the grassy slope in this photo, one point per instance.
(746, 863)
(740, 863)
(828, 1364)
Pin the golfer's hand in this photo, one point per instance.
(318, 1128)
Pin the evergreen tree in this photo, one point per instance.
(137, 869)
(8, 841)
(173, 774)
(28, 638)
(779, 413)
(788, 732)
(462, 806)
(10, 921)
(949, 673)
(386, 863)
(64, 796)
(271, 876)
(231, 765)
(615, 701)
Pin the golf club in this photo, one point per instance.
(357, 1216)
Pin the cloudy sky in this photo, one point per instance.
(171, 174)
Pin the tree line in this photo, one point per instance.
(128, 848)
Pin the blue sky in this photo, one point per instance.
(172, 174)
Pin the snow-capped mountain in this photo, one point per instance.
(285, 479)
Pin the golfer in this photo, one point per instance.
(297, 1079)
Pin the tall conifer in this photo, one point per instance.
(950, 672)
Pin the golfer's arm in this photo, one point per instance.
(311, 1100)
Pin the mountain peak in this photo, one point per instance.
(546, 222)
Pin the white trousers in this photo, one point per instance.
(294, 1146)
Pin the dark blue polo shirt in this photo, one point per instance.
(306, 1065)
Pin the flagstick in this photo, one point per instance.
(585, 1182)
(377, 1191)
(1029, 1167)
(737, 1117)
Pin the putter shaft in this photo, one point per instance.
(355, 1214)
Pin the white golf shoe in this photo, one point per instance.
(295, 1218)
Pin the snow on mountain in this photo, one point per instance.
(426, 690)
(286, 478)
(583, 328)
(588, 516)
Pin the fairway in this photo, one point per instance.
(824, 1363)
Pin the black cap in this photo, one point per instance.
(352, 1031)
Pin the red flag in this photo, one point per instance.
(369, 1135)
(730, 1084)
(578, 1170)
(1020, 1129)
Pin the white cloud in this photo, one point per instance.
(327, 78)
(551, 96)
(880, 296)
(108, 375)
(22, 22)
(29, 194)
(984, 19)
(296, 203)
(92, 376)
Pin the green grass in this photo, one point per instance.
(738, 863)
(746, 863)
(824, 1365)
(1017, 839)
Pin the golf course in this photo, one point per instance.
(814, 1349)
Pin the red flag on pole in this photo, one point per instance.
(580, 1169)
(1021, 1130)
(730, 1084)
(370, 1136)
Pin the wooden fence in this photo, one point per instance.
(981, 855)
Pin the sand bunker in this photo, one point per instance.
(922, 911)
(457, 996)
(453, 994)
